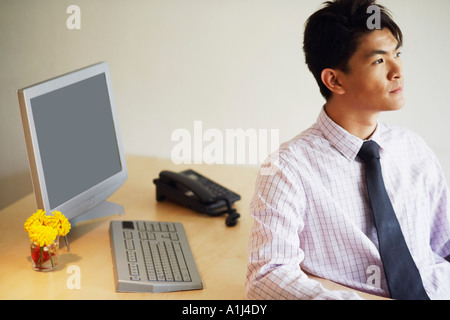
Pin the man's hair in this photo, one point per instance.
(332, 35)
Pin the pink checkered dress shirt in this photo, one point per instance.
(311, 212)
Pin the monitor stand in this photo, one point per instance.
(103, 209)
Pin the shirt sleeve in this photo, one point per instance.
(274, 247)
(440, 208)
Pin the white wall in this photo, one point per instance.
(228, 63)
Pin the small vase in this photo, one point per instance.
(44, 258)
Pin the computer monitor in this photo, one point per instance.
(74, 144)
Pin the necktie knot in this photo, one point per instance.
(370, 150)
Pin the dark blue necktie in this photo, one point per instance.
(402, 275)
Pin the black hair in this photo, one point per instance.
(332, 35)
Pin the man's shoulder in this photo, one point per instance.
(406, 143)
(298, 150)
(400, 134)
(306, 140)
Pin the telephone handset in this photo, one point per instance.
(192, 190)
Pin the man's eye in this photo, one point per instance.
(398, 54)
(379, 61)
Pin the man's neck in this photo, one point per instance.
(358, 123)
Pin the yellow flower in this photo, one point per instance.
(59, 222)
(43, 229)
(42, 235)
(38, 217)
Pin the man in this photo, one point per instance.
(313, 213)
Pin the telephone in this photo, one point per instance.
(192, 190)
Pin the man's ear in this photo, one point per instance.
(331, 79)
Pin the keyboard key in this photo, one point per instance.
(131, 256)
(134, 269)
(129, 244)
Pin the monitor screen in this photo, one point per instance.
(75, 134)
(73, 140)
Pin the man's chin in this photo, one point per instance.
(396, 105)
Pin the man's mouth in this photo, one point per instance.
(398, 90)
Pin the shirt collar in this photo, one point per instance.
(346, 143)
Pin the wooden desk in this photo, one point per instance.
(220, 252)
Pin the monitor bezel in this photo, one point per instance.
(97, 194)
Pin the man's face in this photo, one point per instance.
(375, 81)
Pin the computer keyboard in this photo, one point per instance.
(150, 256)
